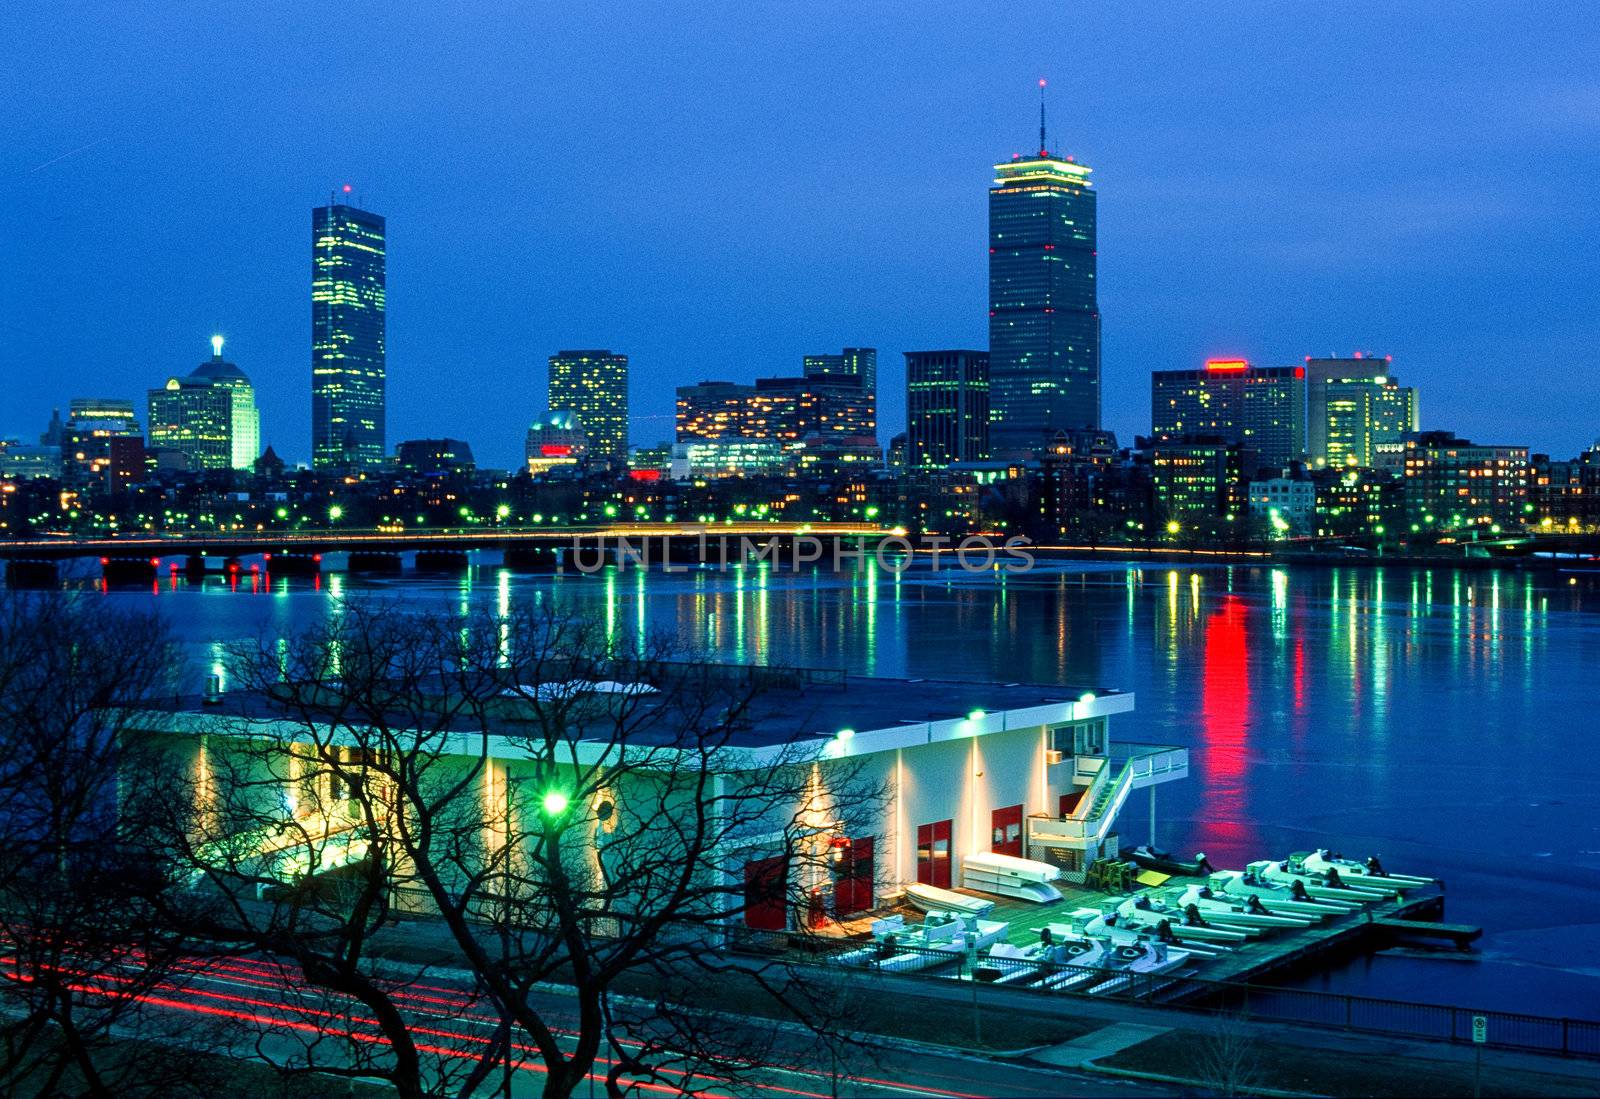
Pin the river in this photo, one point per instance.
(1445, 720)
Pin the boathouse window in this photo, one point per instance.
(1007, 831)
(1082, 738)
(933, 854)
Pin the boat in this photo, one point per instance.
(1247, 911)
(1010, 876)
(1050, 962)
(930, 898)
(1101, 925)
(1144, 911)
(1289, 897)
(1148, 857)
(1130, 961)
(899, 947)
(1370, 872)
(1319, 886)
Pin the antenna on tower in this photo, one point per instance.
(1043, 148)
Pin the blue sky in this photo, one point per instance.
(719, 188)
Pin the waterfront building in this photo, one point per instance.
(1201, 478)
(713, 410)
(853, 362)
(1263, 408)
(794, 408)
(593, 385)
(1453, 484)
(20, 461)
(557, 442)
(349, 364)
(965, 769)
(192, 417)
(1044, 312)
(711, 459)
(86, 440)
(434, 456)
(1565, 494)
(1284, 505)
(650, 463)
(246, 419)
(947, 408)
(1358, 414)
(1358, 503)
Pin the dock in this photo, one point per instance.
(1412, 916)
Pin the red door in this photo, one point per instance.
(1007, 836)
(852, 890)
(933, 854)
(765, 894)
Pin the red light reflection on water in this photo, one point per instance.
(1225, 728)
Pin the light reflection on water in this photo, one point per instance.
(1444, 719)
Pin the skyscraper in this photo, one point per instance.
(1263, 408)
(594, 384)
(947, 408)
(348, 365)
(246, 430)
(1357, 407)
(1044, 313)
(192, 416)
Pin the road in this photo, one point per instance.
(267, 1012)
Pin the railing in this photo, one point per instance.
(1438, 1022)
(1085, 821)
(1151, 763)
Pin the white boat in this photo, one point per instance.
(1143, 958)
(1049, 963)
(1320, 887)
(1099, 925)
(1245, 911)
(1289, 897)
(1142, 911)
(1370, 872)
(899, 947)
(930, 898)
(1010, 876)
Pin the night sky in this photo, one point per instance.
(717, 189)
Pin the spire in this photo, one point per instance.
(216, 348)
(1044, 149)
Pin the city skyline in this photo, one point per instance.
(1180, 281)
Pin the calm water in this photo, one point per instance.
(1445, 720)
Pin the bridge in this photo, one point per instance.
(138, 557)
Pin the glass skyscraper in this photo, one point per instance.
(348, 367)
(594, 385)
(1044, 315)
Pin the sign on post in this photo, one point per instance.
(1480, 1029)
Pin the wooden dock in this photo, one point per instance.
(1461, 934)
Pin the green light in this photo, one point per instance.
(976, 715)
(611, 509)
(1087, 697)
(555, 803)
(503, 511)
(1173, 527)
(283, 513)
(846, 734)
(335, 512)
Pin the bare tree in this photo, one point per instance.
(542, 804)
(1226, 1060)
(83, 945)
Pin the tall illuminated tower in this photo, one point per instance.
(594, 385)
(348, 368)
(1044, 313)
(246, 419)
